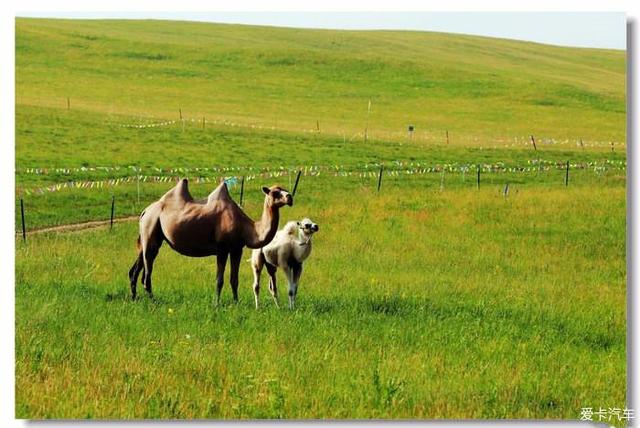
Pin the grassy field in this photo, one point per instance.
(429, 299)
(60, 143)
(436, 305)
(477, 88)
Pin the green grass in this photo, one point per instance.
(49, 138)
(80, 205)
(475, 87)
(429, 299)
(474, 321)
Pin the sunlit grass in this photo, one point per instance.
(475, 87)
(454, 304)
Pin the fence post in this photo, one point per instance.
(180, 111)
(138, 183)
(295, 186)
(113, 203)
(447, 137)
(203, 122)
(478, 166)
(380, 178)
(241, 190)
(506, 190)
(366, 127)
(68, 103)
(533, 141)
(566, 177)
(318, 125)
(24, 229)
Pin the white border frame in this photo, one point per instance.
(7, 154)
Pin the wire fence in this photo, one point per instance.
(57, 211)
(216, 174)
(367, 134)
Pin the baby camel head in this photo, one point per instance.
(277, 196)
(307, 227)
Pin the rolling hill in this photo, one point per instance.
(478, 88)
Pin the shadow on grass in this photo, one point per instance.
(519, 322)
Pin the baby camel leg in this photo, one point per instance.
(257, 263)
(296, 271)
(271, 270)
(288, 271)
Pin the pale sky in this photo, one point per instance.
(581, 29)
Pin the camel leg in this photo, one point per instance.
(288, 271)
(296, 271)
(142, 272)
(149, 254)
(222, 262)
(257, 263)
(150, 240)
(236, 256)
(133, 274)
(271, 270)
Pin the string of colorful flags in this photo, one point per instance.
(428, 135)
(397, 168)
(111, 169)
(196, 121)
(607, 163)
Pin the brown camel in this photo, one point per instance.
(215, 226)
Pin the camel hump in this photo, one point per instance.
(182, 189)
(220, 193)
(290, 228)
(178, 195)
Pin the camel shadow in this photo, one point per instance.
(521, 321)
(382, 305)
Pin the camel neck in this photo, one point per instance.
(266, 228)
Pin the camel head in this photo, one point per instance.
(277, 197)
(307, 227)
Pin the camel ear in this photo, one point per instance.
(298, 223)
(265, 190)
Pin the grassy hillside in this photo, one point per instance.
(477, 88)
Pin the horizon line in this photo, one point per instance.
(241, 18)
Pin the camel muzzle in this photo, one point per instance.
(289, 200)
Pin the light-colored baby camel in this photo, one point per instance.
(215, 226)
(287, 250)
